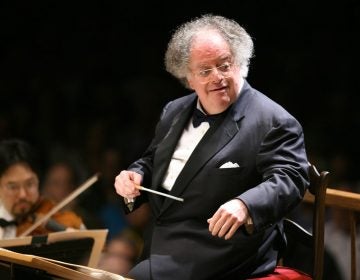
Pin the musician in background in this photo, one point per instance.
(60, 180)
(121, 252)
(21, 204)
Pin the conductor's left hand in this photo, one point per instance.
(228, 218)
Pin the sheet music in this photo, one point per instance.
(93, 272)
(61, 270)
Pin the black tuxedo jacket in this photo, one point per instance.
(268, 145)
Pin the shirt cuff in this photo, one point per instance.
(249, 226)
(129, 202)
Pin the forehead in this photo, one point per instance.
(208, 46)
(17, 173)
(60, 170)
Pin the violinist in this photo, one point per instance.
(20, 201)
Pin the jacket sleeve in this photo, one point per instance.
(144, 165)
(282, 163)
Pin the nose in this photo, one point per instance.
(22, 192)
(216, 75)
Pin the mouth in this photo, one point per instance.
(22, 206)
(222, 88)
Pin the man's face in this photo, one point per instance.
(213, 74)
(19, 189)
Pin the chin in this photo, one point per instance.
(224, 95)
(225, 101)
(21, 211)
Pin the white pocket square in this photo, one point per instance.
(229, 164)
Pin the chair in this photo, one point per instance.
(349, 201)
(314, 240)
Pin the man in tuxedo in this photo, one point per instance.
(235, 156)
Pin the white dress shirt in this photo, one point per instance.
(189, 139)
(9, 231)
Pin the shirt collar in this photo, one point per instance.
(5, 214)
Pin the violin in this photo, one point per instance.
(58, 222)
(46, 217)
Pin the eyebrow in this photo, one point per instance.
(12, 182)
(221, 60)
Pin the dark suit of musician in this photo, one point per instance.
(267, 143)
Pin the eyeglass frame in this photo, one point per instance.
(29, 187)
(205, 74)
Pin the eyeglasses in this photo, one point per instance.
(204, 75)
(28, 187)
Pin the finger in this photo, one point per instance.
(136, 178)
(133, 180)
(119, 186)
(218, 225)
(117, 181)
(213, 220)
(211, 224)
(232, 230)
(225, 227)
(131, 193)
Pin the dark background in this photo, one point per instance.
(86, 78)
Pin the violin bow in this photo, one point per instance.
(62, 204)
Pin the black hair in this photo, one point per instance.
(13, 151)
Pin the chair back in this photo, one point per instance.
(347, 200)
(312, 241)
(318, 185)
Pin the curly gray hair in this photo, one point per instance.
(178, 49)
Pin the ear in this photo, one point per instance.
(190, 82)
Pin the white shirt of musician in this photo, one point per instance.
(9, 231)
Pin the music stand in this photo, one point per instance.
(81, 247)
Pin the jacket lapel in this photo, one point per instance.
(166, 148)
(213, 141)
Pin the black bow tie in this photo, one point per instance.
(199, 117)
(5, 223)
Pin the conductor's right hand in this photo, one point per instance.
(126, 182)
